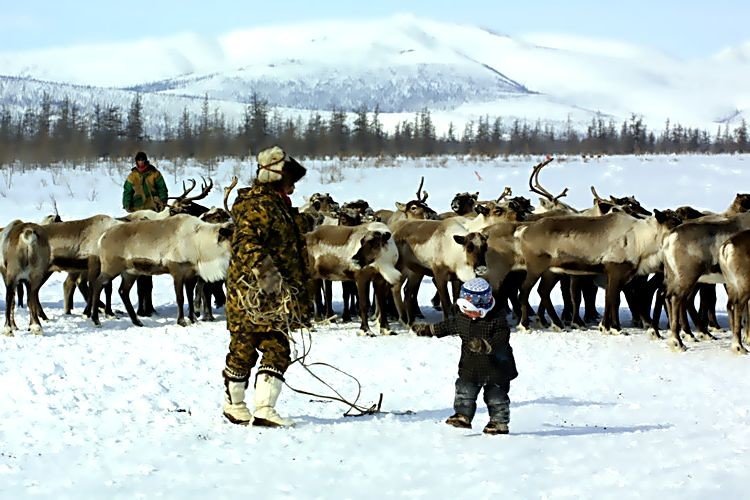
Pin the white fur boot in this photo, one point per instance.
(235, 409)
(267, 390)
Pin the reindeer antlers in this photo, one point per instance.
(205, 189)
(420, 193)
(596, 195)
(506, 192)
(536, 187)
(228, 190)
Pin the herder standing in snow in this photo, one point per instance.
(267, 293)
(144, 189)
(486, 356)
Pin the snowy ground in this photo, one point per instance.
(125, 412)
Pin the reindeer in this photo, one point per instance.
(182, 246)
(734, 263)
(416, 209)
(462, 204)
(205, 291)
(615, 244)
(359, 253)
(691, 254)
(25, 258)
(444, 250)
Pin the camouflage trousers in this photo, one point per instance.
(495, 397)
(245, 348)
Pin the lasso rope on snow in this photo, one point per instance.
(280, 311)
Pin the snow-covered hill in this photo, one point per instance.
(404, 64)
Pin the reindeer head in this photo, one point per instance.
(740, 204)
(668, 218)
(630, 205)
(323, 202)
(418, 208)
(186, 205)
(687, 213)
(475, 249)
(216, 215)
(371, 246)
(349, 217)
(463, 203)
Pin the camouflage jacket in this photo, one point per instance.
(144, 191)
(265, 226)
(497, 367)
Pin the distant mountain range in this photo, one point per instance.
(401, 64)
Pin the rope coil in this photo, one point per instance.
(281, 312)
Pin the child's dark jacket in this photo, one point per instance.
(497, 367)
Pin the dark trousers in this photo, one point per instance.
(495, 396)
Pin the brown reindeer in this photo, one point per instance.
(444, 250)
(615, 244)
(691, 254)
(734, 263)
(25, 258)
(361, 254)
(183, 246)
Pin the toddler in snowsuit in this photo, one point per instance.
(486, 356)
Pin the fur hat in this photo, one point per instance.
(140, 155)
(272, 161)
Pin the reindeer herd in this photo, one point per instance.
(663, 260)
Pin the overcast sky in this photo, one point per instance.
(678, 27)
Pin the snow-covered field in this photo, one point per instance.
(125, 412)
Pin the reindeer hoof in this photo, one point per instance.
(365, 333)
(689, 336)
(8, 332)
(181, 322)
(523, 329)
(36, 329)
(387, 331)
(677, 345)
(706, 336)
(714, 328)
(739, 349)
(615, 331)
(653, 333)
(557, 329)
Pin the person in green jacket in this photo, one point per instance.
(144, 188)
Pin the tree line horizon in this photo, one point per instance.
(60, 131)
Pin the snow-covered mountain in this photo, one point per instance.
(402, 64)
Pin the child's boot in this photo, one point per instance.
(494, 427)
(460, 421)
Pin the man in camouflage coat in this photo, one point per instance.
(144, 188)
(268, 261)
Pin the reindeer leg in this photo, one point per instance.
(96, 291)
(589, 289)
(409, 296)
(35, 325)
(328, 284)
(206, 291)
(126, 284)
(69, 288)
(566, 316)
(10, 292)
(398, 302)
(346, 288)
(363, 287)
(198, 301)
(190, 292)
(737, 310)
(179, 282)
(19, 291)
(546, 284)
(576, 283)
(674, 321)
(528, 283)
(381, 294)
(442, 288)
